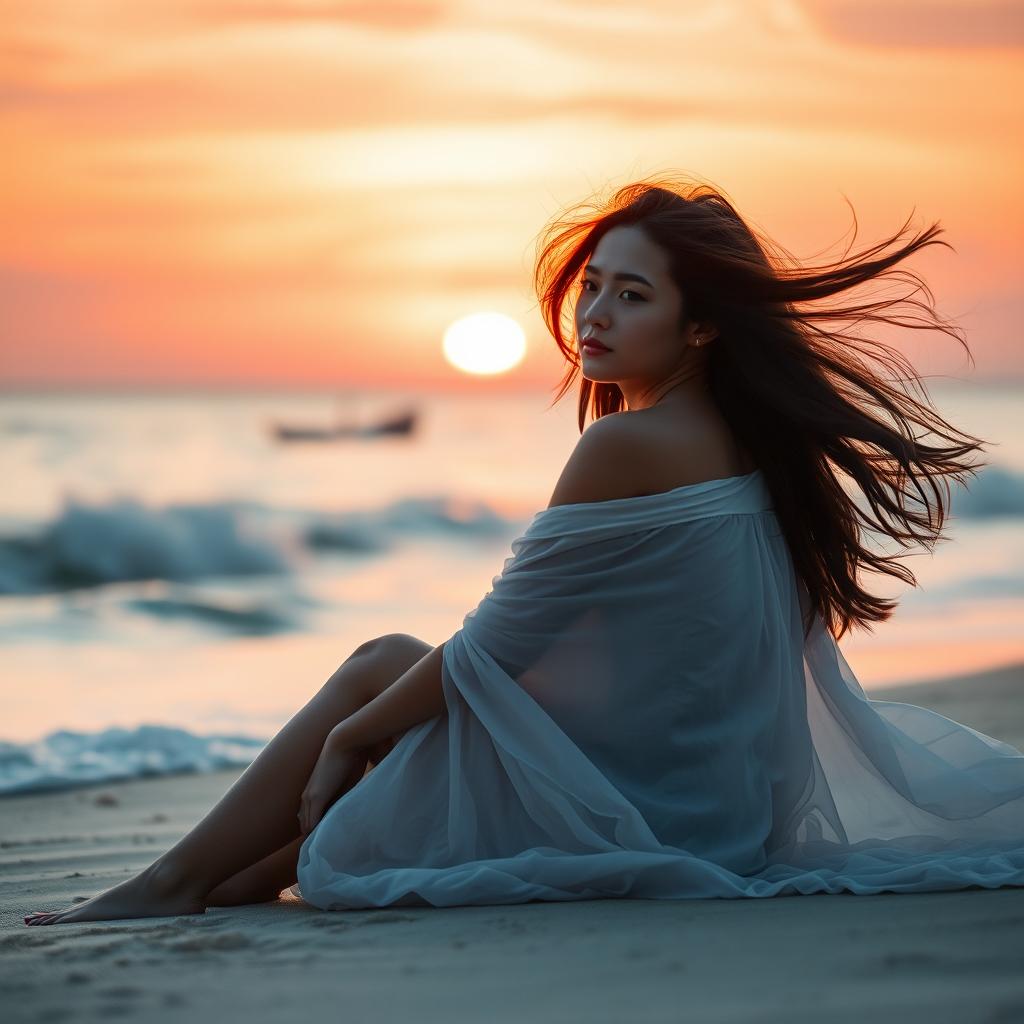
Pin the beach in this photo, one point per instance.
(956, 956)
(294, 363)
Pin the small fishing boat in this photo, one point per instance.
(403, 423)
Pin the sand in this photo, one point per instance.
(936, 957)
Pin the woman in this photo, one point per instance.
(650, 701)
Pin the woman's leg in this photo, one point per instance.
(258, 816)
(260, 882)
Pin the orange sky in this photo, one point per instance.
(307, 193)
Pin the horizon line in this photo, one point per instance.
(251, 387)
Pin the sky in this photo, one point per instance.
(259, 193)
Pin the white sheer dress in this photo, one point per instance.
(632, 711)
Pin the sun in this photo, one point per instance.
(484, 343)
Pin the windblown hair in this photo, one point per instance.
(804, 401)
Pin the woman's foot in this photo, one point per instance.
(151, 893)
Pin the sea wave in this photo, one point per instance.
(994, 493)
(123, 540)
(90, 545)
(68, 760)
(243, 618)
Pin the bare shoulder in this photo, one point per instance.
(629, 454)
(604, 463)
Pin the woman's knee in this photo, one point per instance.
(383, 659)
(377, 644)
(395, 647)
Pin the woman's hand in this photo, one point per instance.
(336, 771)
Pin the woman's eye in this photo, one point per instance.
(636, 295)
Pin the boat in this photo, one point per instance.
(400, 424)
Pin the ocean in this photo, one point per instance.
(175, 582)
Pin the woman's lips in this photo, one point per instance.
(592, 345)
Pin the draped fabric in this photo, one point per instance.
(632, 711)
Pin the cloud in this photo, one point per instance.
(952, 24)
(381, 15)
(317, 100)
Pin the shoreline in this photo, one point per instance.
(938, 957)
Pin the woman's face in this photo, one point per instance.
(628, 301)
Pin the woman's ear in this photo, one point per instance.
(704, 333)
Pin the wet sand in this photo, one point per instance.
(936, 957)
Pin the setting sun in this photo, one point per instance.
(484, 343)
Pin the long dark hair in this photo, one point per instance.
(802, 400)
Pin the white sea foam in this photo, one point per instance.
(67, 760)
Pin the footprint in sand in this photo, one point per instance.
(139, 931)
(331, 923)
(204, 921)
(205, 943)
(387, 918)
(73, 950)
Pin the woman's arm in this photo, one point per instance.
(599, 469)
(414, 697)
